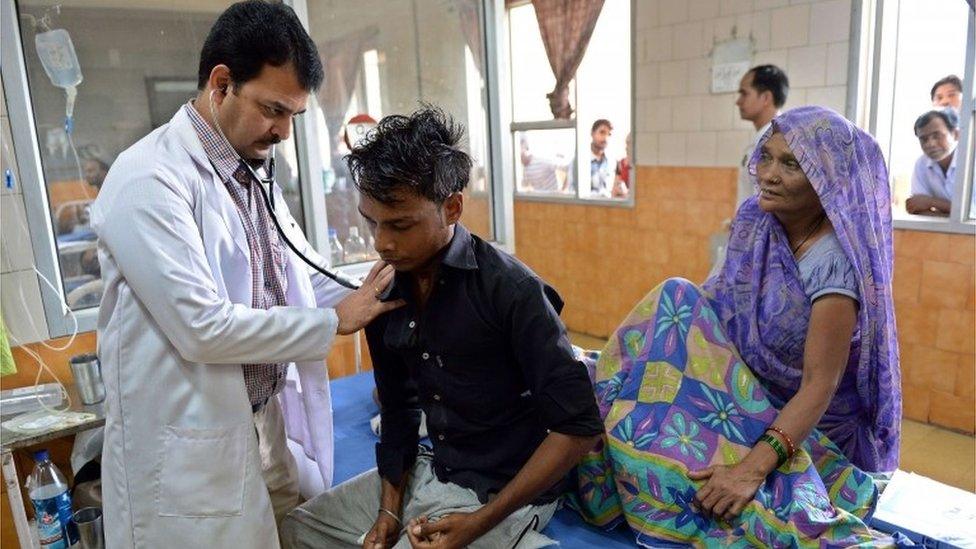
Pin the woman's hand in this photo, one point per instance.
(727, 490)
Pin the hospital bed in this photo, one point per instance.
(353, 407)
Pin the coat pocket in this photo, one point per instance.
(202, 472)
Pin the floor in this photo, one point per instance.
(940, 454)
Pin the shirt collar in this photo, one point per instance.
(223, 157)
(934, 164)
(460, 253)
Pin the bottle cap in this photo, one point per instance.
(41, 455)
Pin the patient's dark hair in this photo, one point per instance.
(419, 152)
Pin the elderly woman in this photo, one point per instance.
(748, 413)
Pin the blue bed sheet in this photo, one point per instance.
(353, 407)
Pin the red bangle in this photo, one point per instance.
(789, 441)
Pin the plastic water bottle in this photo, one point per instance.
(48, 490)
(335, 248)
(355, 247)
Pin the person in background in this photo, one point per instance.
(762, 93)
(538, 173)
(947, 92)
(479, 348)
(621, 184)
(94, 170)
(934, 177)
(601, 166)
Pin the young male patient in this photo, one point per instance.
(479, 347)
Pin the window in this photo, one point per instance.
(912, 44)
(586, 156)
(381, 57)
(386, 57)
(125, 87)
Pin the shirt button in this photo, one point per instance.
(441, 282)
(440, 437)
(412, 324)
(425, 356)
(437, 397)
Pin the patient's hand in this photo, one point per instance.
(384, 533)
(453, 531)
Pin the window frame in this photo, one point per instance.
(549, 124)
(13, 66)
(868, 26)
(60, 321)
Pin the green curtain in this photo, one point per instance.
(7, 365)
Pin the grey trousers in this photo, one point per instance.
(341, 517)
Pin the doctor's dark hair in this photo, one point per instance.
(772, 79)
(419, 152)
(253, 33)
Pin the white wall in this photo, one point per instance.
(679, 122)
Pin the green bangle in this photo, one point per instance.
(777, 446)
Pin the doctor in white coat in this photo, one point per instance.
(205, 309)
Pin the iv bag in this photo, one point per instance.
(60, 62)
(58, 57)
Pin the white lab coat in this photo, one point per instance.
(180, 462)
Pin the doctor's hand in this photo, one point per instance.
(363, 305)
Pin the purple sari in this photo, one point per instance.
(761, 302)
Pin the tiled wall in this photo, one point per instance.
(604, 259)
(679, 122)
(935, 304)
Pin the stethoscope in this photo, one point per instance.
(268, 199)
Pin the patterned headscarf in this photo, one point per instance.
(762, 303)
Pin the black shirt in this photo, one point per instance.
(489, 362)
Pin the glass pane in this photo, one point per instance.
(129, 85)
(532, 76)
(603, 92)
(384, 57)
(931, 44)
(972, 165)
(546, 161)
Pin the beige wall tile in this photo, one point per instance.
(790, 26)
(938, 277)
(957, 331)
(915, 401)
(671, 12)
(952, 411)
(807, 66)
